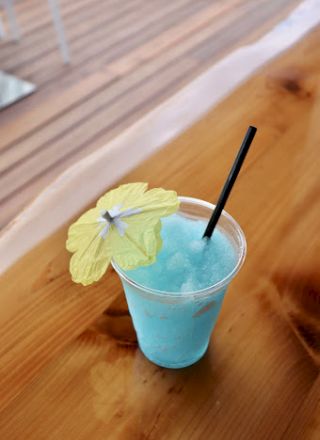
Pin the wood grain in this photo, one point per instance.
(127, 58)
(68, 370)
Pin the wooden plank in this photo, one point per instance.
(172, 46)
(39, 115)
(175, 35)
(250, 22)
(36, 15)
(78, 28)
(173, 43)
(55, 107)
(256, 375)
(119, 38)
(85, 131)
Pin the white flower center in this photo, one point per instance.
(113, 217)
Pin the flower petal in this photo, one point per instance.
(90, 262)
(142, 240)
(92, 253)
(81, 232)
(125, 195)
(137, 247)
(154, 204)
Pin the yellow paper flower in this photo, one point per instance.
(125, 225)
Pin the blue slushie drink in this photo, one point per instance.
(175, 302)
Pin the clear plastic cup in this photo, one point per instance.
(174, 328)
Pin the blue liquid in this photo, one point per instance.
(174, 332)
(186, 262)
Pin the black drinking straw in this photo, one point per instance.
(236, 167)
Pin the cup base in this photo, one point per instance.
(174, 365)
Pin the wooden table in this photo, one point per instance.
(70, 367)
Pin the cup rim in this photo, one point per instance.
(207, 291)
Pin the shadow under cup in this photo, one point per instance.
(174, 328)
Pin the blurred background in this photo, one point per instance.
(75, 74)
